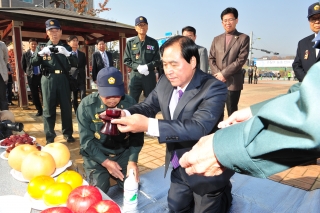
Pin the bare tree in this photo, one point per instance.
(58, 2)
(81, 5)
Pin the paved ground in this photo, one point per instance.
(152, 154)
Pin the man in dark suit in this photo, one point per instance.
(73, 42)
(250, 75)
(306, 55)
(203, 53)
(229, 52)
(33, 75)
(100, 59)
(191, 103)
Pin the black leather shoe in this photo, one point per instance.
(69, 139)
(39, 114)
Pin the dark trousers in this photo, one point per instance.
(255, 81)
(232, 101)
(101, 175)
(9, 92)
(34, 82)
(3, 95)
(139, 83)
(56, 89)
(74, 96)
(250, 79)
(182, 199)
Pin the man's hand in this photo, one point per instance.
(201, 160)
(220, 77)
(113, 168)
(134, 123)
(134, 166)
(236, 117)
(143, 69)
(44, 51)
(63, 50)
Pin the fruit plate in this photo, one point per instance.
(18, 175)
(14, 203)
(39, 204)
(2, 156)
(4, 147)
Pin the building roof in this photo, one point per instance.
(32, 22)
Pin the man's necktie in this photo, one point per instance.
(75, 53)
(104, 57)
(175, 159)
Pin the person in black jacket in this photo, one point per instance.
(100, 59)
(306, 55)
(33, 75)
(73, 42)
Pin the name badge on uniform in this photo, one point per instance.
(97, 135)
(137, 55)
(306, 54)
(149, 47)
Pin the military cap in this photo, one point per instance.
(52, 24)
(110, 82)
(141, 19)
(313, 9)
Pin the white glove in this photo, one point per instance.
(143, 69)
(44, 51)
(63, 50)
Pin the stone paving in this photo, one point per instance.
(152, 154)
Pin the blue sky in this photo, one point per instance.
(279, 23)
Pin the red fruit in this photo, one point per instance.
(104, 206)
(39, 148)
(82, 197)
(57, 210)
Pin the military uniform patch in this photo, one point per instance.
(112, 80)
(316, 7)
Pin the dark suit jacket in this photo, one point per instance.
(98, 64)
(82, 62)
(196, 115)
(230, 61)
(301, 64)
(25, 62)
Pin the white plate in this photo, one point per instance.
(18, 175)
(4, 147)
(2, 156)
(39, 204)
(14, 203)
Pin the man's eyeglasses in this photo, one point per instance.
(228, 20)
(314, 19)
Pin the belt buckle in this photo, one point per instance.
(57, 72)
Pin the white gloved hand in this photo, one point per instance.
(63, 50)
(143, 69)
(44, 51)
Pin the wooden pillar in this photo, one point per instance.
(88, 66)
(123, 68)
(17, 48)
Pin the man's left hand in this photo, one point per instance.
(220, 77)
(134, 123)
(201, 159)
(134, 166)
(64, 51)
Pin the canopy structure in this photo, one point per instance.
(21, 24)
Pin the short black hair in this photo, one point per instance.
(71, 37)
(33, 39)
(232, 10)
(98, 40)
(187, 45)
(190, 29)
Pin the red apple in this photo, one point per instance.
(104, 206)
(57, 210)
(82, 197)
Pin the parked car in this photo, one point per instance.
(268, 74)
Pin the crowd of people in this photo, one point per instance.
(190, 99)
